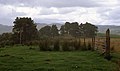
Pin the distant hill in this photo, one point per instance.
(114, 29)
(40, 25)
(101, 28)
(5, 28)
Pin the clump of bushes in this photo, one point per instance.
(89, 46)
(83, 47)
(44, 45)
(77, 44)
(56, 45)
(65, 46)
(6, 43)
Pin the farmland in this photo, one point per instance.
(21, 58)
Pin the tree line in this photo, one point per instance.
(24, 31)
(73, 29)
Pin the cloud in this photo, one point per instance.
(48, 11)
(48, 21)
(52, 3)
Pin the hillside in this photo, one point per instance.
(40, 25)
(5, 28)
(114, 29)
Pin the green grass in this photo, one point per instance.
(21, 58)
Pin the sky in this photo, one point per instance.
(97, 12)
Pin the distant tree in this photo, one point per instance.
(62, 30)
(6, 36)
(67, 27)
(70, 29)
(82, 29)
(45, 31)
(74, 29)
(54, 31)
(89, 30)
(24, 30)
(6, 39)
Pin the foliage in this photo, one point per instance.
(76, 30)
(77, 45)
(56, 45)
(89, 46)
(84, 47)
(54, 31)
(44, 45)
(6, 39)
(65, 46)
(45, 31)
(48, 31)
(24, 30)
(89, 29)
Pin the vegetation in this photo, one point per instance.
(78, 39)
(21, 58)
(24, 30)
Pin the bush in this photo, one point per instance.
(77, 44)
(56, 45)
(89, 46)
(65, 46)
(34, 42)
(6, 43)
(84, 47)
(44, 45)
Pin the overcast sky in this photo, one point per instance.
(98, 12)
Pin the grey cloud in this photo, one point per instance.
(46, 11)
(7, 16)
(66, 10)
(115, 14)
(49, 21)
(52, 3)
(6, 21)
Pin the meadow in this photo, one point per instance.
(114, 41)
(22, 58)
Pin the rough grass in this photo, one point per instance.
(21, 58)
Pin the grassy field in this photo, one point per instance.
(115, 41)
(21, 58)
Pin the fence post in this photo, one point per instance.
(107, 51)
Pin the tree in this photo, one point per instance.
(24, 30)
(45, 31)
(54, 31)
(70, 29)
(62, 30)
(67, 27)
(74, 29)
(6, 39)
(6, 36)
(90, 31)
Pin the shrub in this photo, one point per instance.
(6, 43)
(34, 42)
(44, 45)
(56, 45)
(77, 44)
(89, 46)
(84, 47)
(65, 46)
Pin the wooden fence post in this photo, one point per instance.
(107, 51)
